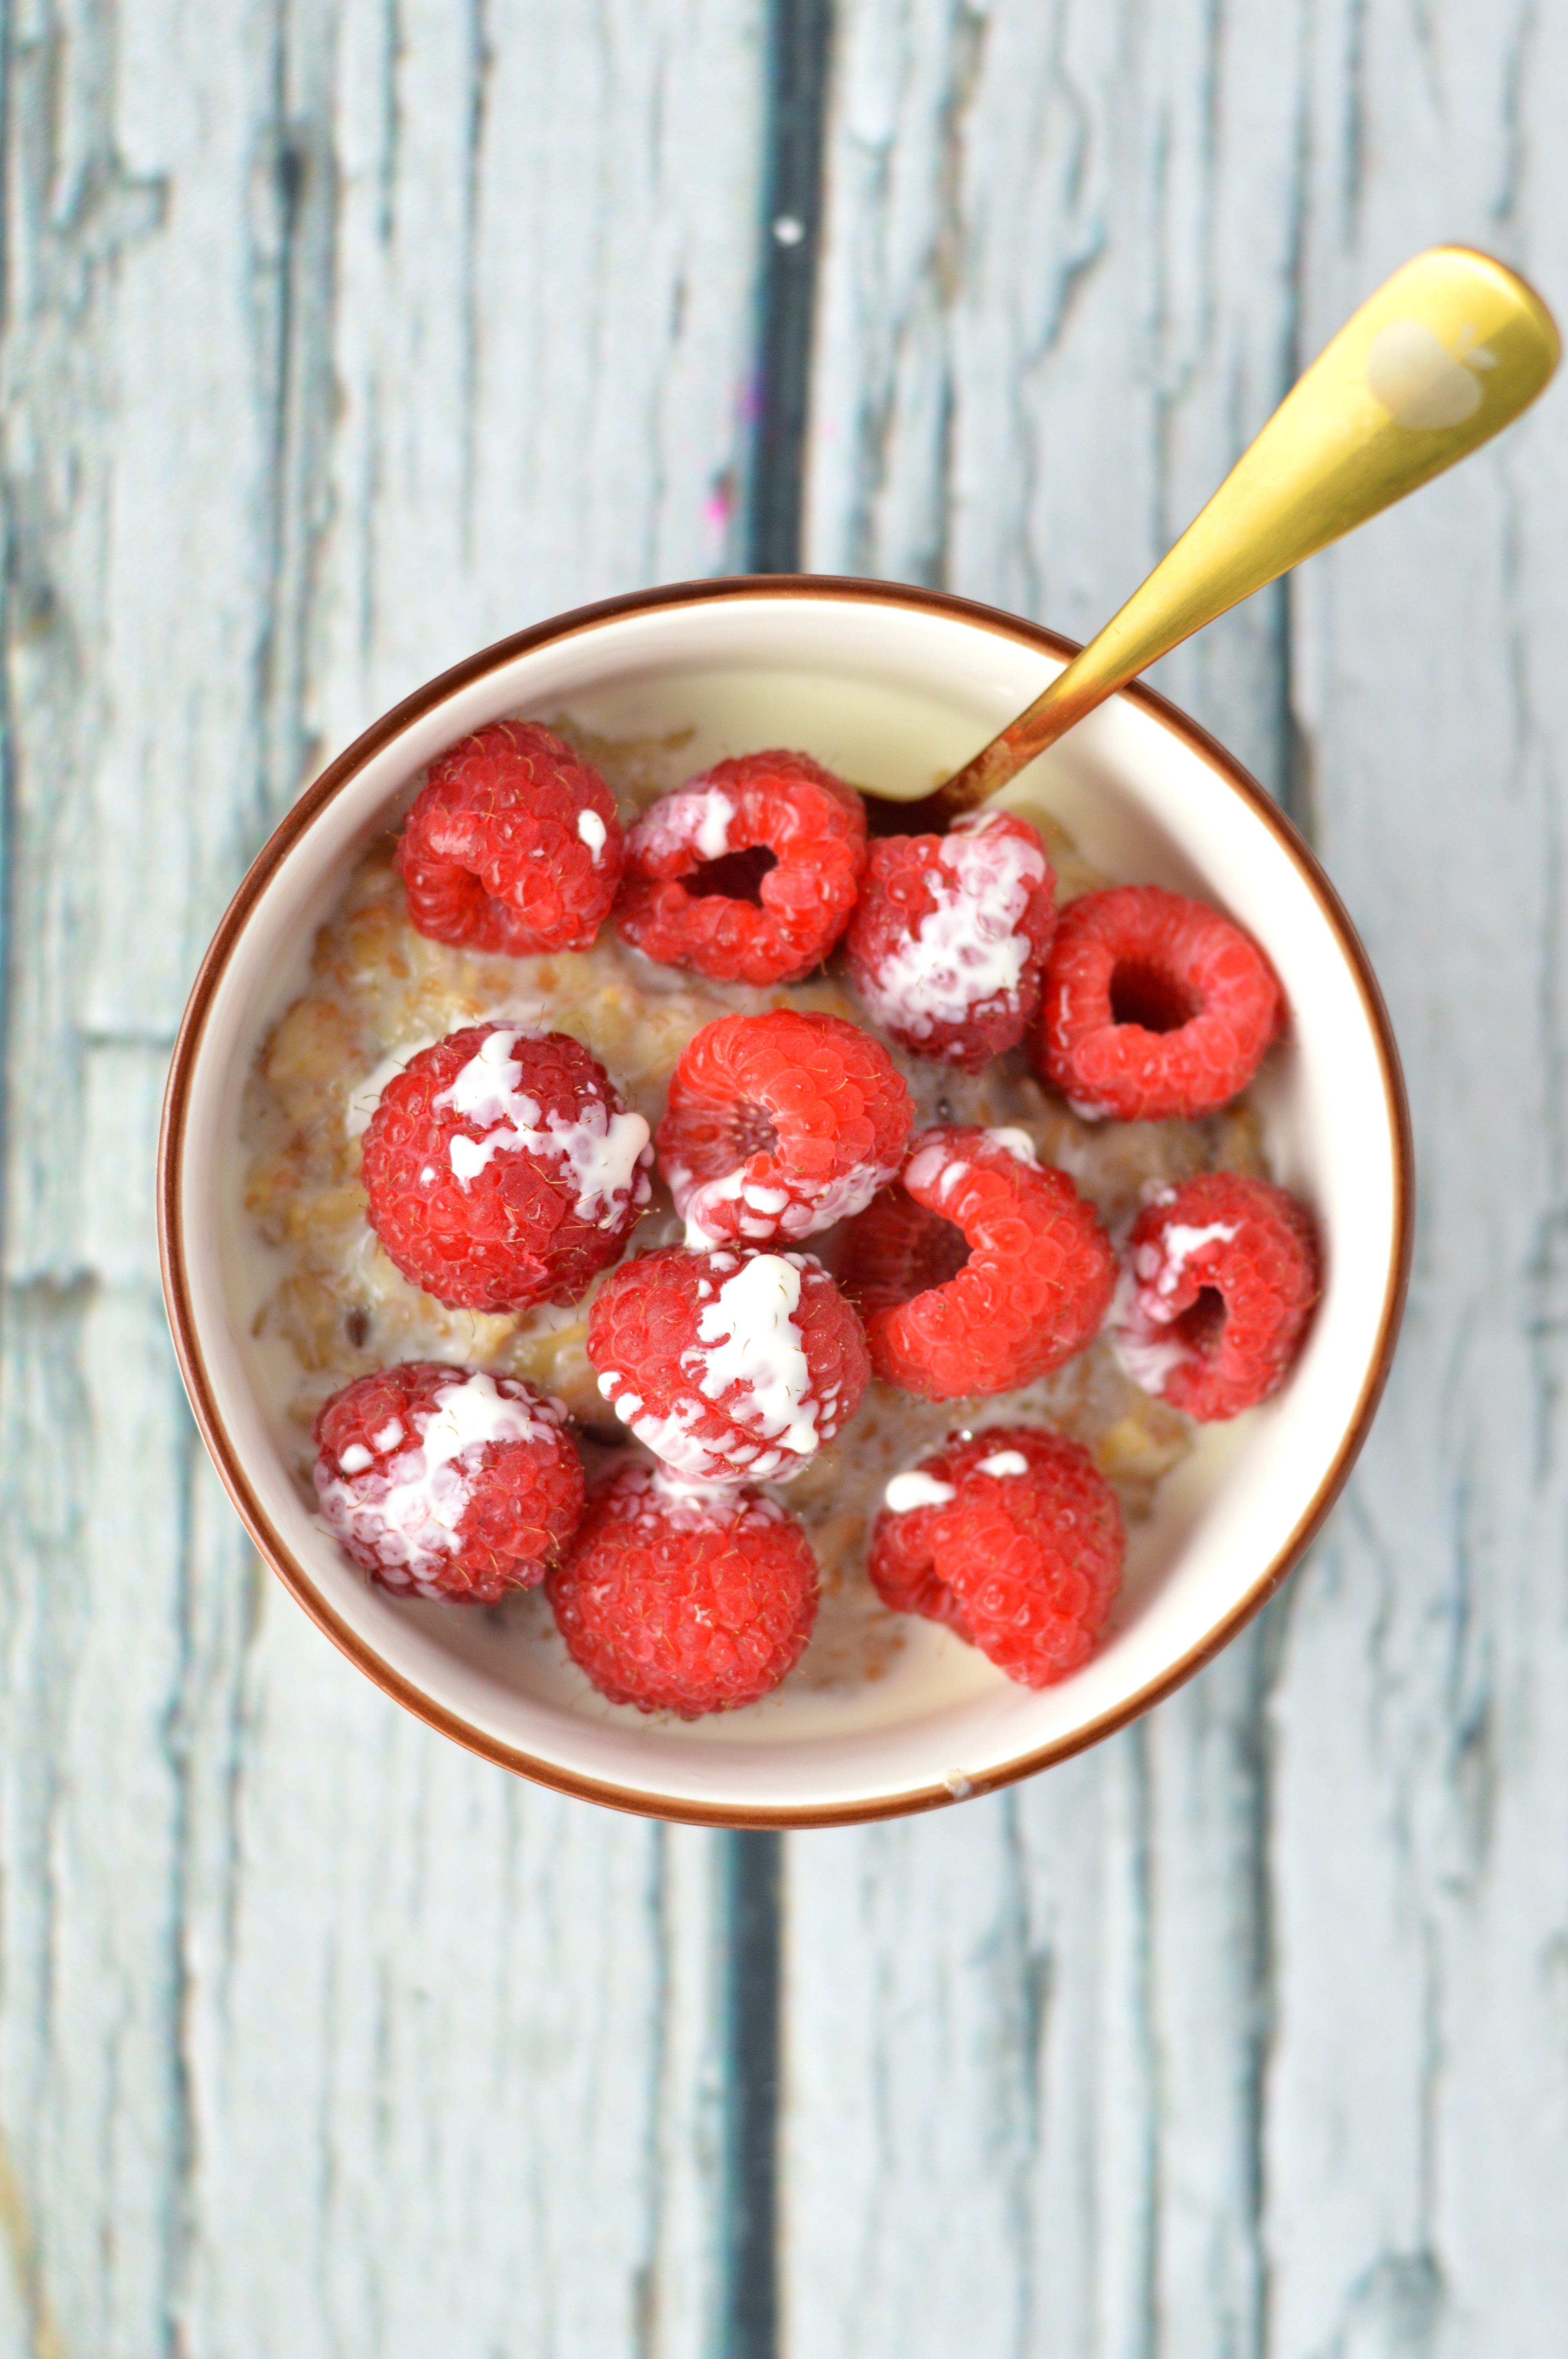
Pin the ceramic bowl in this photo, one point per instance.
(890, 686)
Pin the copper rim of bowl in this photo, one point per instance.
(188, 1342)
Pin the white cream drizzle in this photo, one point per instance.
(602, 1151)
(966, 951)
(412, 1522)
(1162, 1262)
(1016, 1143)
(1003, 1463)
(746, 1335)
(764, 1213)
(694, 818)
(936, 1169)
(907, 1492)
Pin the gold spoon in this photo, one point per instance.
(1443, 355)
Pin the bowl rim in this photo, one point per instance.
(172, 1248)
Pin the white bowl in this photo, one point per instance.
(890, 686)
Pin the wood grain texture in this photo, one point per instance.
(1420, 2051)
(338, 340)
(1243, 2035)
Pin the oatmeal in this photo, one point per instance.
(379, 992)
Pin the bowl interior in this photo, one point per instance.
(891, 691)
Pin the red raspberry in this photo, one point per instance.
(447, 1482)
(702, 891)
(1155, 1006)
(502, 1169)
(728, 1366)
(682, 1603)
(1221, 1276)
(513, 845)
(979, 1271)
(777, 1125)
(948, 939)
(1013, 1540)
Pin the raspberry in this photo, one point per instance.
(446, 1482)
(1155, 1006)
(513, 845)
(702, 888)
(1220, 1278)
(777, 1125)
(502, 1169)
(979, 1271)
(684, 1604)
(728, 1366)
(1013, 1540)
(948, 939)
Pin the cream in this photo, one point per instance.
(1003, 1463)
(747, 1336)
(414, 1521)
(907, 1492)
(600, 1150)
(965, 952)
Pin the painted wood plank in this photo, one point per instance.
(1057, 298)
(1417, 2126)
(1189, 2046)
(339, 339)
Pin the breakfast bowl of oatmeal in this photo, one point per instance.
(752, 1321)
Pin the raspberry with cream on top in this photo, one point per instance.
(503, 1169)
(683, 1603)
(948, 940)
(748, 872)
(779, 1125)
(730, 1368)
(447, 1482)
(1220, 1278)
(980, 1270)
(512, 844)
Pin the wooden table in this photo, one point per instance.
(340, 338)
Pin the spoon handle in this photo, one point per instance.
(1446, 352)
